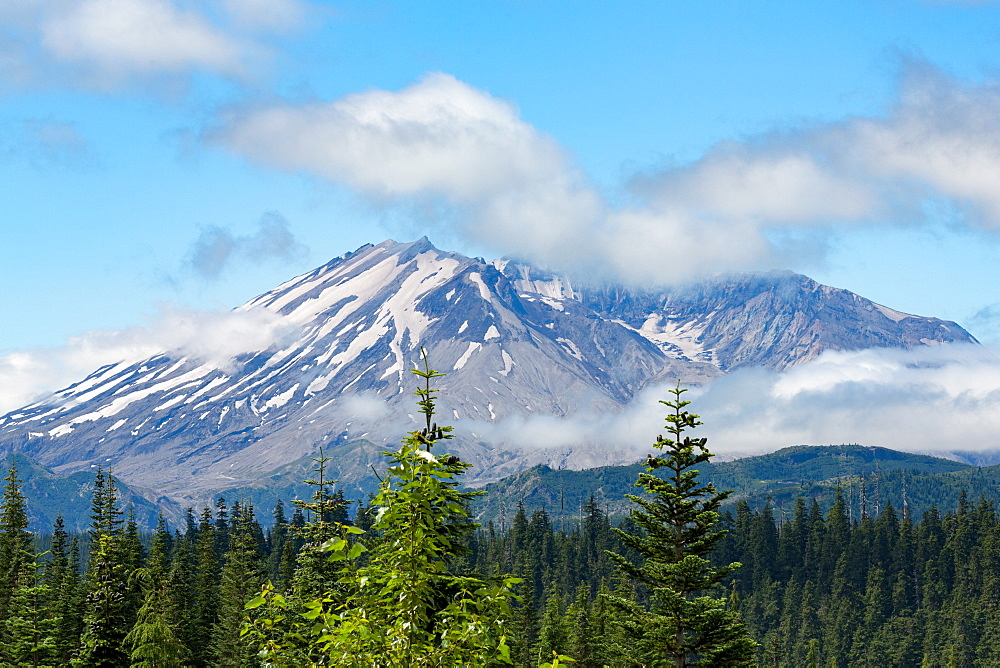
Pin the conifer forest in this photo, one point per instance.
(408, 578)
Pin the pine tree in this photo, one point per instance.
(15, 539)
(203, 613)
(106, 620)
(684, 623)
(242, 576)
(31, 625)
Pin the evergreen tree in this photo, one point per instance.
(63, 579)
(242, 576)
(154, 639)
(325, 513)
(684, 623)
(15, 539)
(31, 625)
(106, 619)
(407, 606)
(204, 601)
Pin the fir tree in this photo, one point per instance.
(154, 640)
(324, 514)
(63, 579)
(106, 620)
(15, 539)
(204, 602)
(31, 625)
(242, 576)
(684, 624)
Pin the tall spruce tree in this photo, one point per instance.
(242, 576)
(15, 539)
(106, 620)
(684, 623)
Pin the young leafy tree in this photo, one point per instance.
(684, 624)
(408, 606)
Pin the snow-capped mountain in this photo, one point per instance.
(512, 339)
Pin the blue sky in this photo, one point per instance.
(166, 159)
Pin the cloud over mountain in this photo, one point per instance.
(747, 204)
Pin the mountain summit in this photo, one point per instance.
(514, 340)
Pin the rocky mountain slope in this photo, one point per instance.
(513, 340)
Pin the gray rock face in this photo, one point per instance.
(772, 320)
(512, 339)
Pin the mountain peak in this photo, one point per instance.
(514, 341)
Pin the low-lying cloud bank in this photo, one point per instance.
(931, 400)
(212, 337)
(763, 202)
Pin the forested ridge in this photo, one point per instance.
(817, 589)
(408, 579)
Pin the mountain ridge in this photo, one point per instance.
(513, 340)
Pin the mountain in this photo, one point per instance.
(513, 339)
(779, 478)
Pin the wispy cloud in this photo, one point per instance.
(746, 204)
(111, 43)
(213, 337)
(47, 142)
(986, 322)
(218, 248)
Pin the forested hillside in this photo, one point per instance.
(409, 579)
(868, 477)
(815, 589)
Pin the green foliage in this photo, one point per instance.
(683, 624)
(105, 621)
(154, 640)
(242, 575)
(15, 539)
(30, 627)
(406, 606)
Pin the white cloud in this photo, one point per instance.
(214, 337)
(510, 186)
(111, 43)
(940, 140)
(119, 38)
(501, 183)
(277, 15)
(935, 399)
